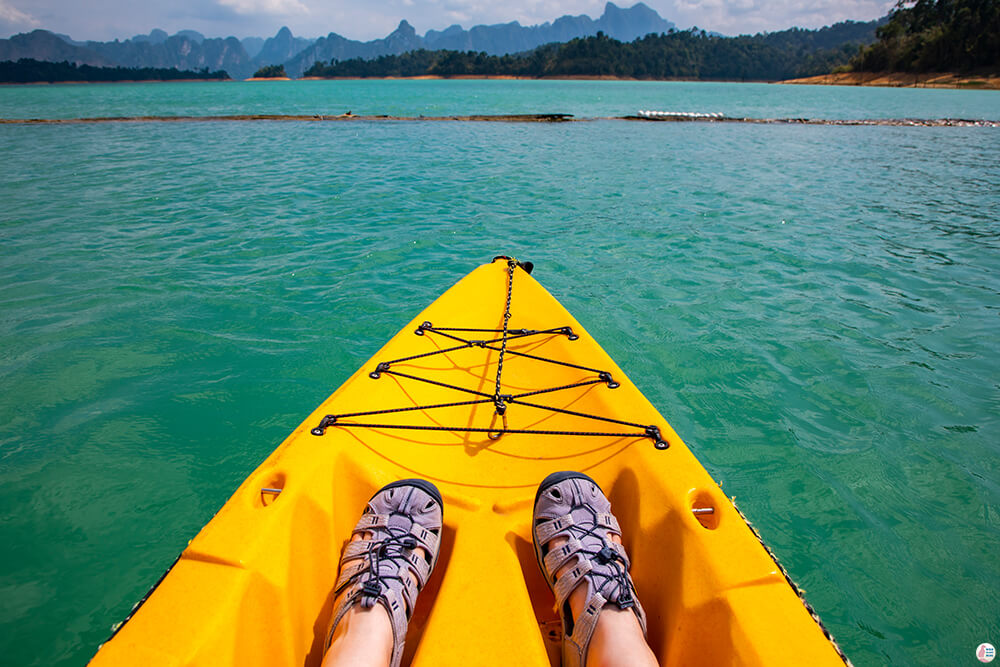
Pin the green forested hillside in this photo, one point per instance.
(936, 36)
(677, 54)
(270, 72)
(28, 70)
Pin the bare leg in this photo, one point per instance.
(363, 638)
(617, 640)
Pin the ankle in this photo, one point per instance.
(618, 640)
(362, 637)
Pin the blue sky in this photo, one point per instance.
(110, 19)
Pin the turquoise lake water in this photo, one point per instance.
(815, 309)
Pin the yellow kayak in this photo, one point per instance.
(494, 386)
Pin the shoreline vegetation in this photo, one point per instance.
(29, 70)
(921, 43)
(930, 36)
(685, 54)
(514, 118)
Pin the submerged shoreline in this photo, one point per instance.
(513, 118)
(949, 80)
(902, 80)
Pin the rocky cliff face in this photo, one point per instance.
(181, 52)
(404, 38)
(622, 24)
(279, 49)
(44, 45)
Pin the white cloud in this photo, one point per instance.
(277, 7)
(734, 17)
(15, 17)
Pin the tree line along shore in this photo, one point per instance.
(936, 43)
(29, 70)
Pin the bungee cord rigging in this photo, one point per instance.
(501, 401)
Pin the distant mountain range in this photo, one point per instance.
(622, 24)
(241, 58)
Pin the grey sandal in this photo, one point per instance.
(572, 505)
(401, 516)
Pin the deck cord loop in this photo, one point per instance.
(501, 401)
(501, 407)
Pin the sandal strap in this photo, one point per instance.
(583, 628)
(420, 567)
(569, 581)
(355, 564)
(547, 530)
(370, 522)
(556, 558)
(348, 572)
(606, 520)
(394, 606)
(426, 538)
(356, 549)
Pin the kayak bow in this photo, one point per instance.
(494, 386)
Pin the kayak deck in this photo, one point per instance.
(254, 587)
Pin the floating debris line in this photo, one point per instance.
(509, 118)
(679, 115)
(642, 115)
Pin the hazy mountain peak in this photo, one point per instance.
(192, 35)
(278, 49)
(45, 45)
(188, 49)
(155, 36)
(623, 24)
(404, 29)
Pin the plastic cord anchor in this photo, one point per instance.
(381, 368)
(526, 265)
(658, 441)
(606, 377)
(568, 332)
(327, 421)
(423, 326)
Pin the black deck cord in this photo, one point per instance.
(501, 407)
(499, 399)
